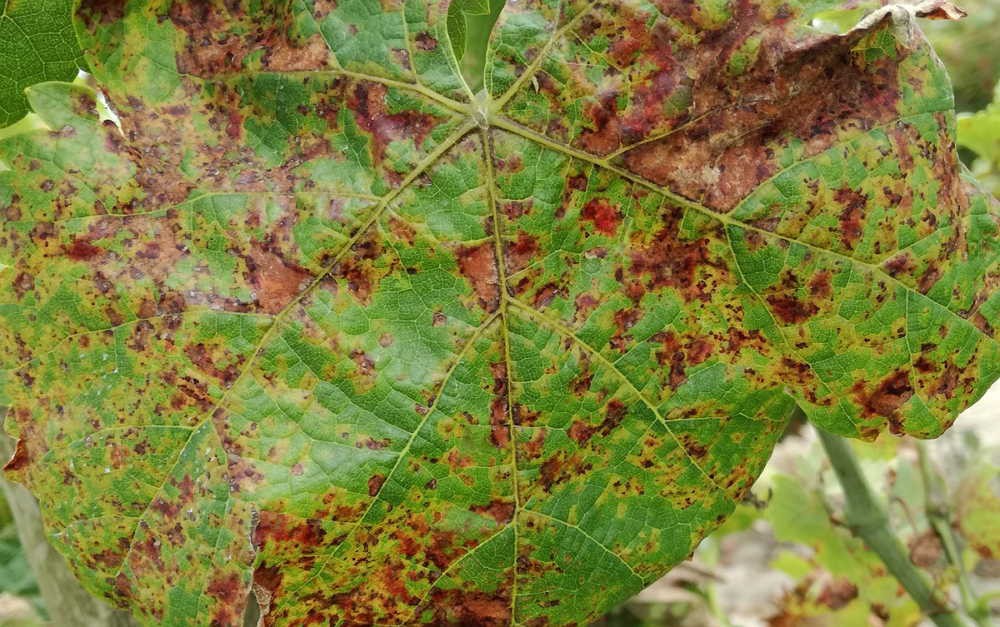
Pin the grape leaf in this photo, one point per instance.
(459, 13)
(37, 44)
(313, 319)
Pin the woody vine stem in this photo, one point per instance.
(867, 519)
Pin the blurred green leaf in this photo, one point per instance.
(37, 44)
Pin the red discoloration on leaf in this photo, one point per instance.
(791, 310)
(837, 594)
(680, 353)
(201, 357)
(888, 397)
(500, 510)
(284, 528)
(603, 137)
(499, 421)
(268, 578)
(671, 260)
(368, 102)
(20, 459)
(277, 282)
(851, 215)
(375, 484)
(478, 264)
(819, 285)
(580, 432)
(265, 160)
(807, 91)
(459, 607)
(228, 588)
(603, 214)
(83, 250)
(521, 252)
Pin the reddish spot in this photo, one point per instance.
(231, 593)
(277, 283)
(545, 295)
(226, 588)
(899, 264)
(819, 285)
(234, 125)
(948, 382)
(522, 251)
(837, 594)
(604, 136)
(499, 421)
(790, 309)
(478, 265)
(442, 549)
(366, 367)
(462, 607)
(369, 105)
(23, 284)
(401, 230)
(282, 529)
(499, 510)
(585, 303)
(268, 577)
(357, 271)
(201, 357)
(851, 216)
(679, 353)
(890, 395)
(928, 279)
(580, 432)
(577, 182)
(286, 56)
(82, 250)
(603, 214)
(19, 459)
(375, 484)
(425, 42)
(613, 417)
(670, 260)
(550, 471)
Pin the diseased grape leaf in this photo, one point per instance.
(37, 44)
(317, 321)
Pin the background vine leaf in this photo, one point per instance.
(37, 44)
(314, 320)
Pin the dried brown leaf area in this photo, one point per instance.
(315, 321)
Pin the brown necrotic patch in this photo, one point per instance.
(82, 250)
(478, 264)
(603, 215)
(371, 112)
(471, 607)
(275, 281)
(500, 510)
(790, 309)
(499, 422)
(886, 400)
(811, 91)
(671, 259)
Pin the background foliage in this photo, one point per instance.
(785, 558)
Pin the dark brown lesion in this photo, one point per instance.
(20, 459)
